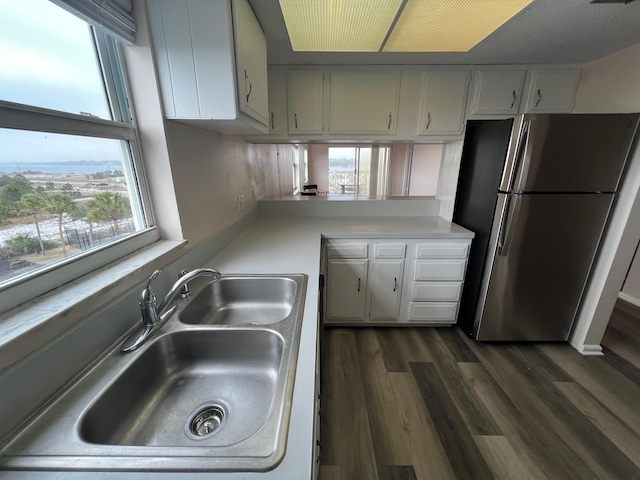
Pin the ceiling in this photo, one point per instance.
(546, 32)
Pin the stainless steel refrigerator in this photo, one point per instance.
(537, 191)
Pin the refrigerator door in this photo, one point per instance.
(574, 153)
(544, 254)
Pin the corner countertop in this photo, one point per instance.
(279, 245)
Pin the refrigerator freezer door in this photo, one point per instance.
(575, 153)
(534, 289)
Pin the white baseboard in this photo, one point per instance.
(629, 298)
(591, 350)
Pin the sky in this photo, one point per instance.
(48, 61)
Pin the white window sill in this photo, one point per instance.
(28, 327)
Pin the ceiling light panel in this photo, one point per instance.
(449, 25)
(338, 25)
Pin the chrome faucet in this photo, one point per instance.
(154, 315)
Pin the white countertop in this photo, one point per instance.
(288, 245)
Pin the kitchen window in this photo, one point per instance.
(72, 195)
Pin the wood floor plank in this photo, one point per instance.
(463, 454)
(329, 472)
(413, 348)
(390, 440)
(396, 472)
(458, 347)
(427, 454)
(476, 416)
(622, 344)
(346, 439)
(601, 456)
(507, 371)
(611, 388)
(534, 452)
(502, 458)
(391, 349)
(615, 429)
(620, 364)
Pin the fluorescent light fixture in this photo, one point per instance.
(338, 25)
(449, 25)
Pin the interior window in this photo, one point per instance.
(69, 172)
(358, 170)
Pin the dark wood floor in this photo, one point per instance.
(428, 403)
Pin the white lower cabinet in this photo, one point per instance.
(386, 290)
(347, 287)
(395, 282)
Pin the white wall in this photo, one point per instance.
(397, 167)
(425, 169)
(610, 84)
(319, 166)
(631, 286)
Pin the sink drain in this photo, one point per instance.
(205, 421)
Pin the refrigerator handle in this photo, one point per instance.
(523, 160)
(507, 224)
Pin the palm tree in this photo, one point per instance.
(59, 204)
(108, 206)
(34, 204)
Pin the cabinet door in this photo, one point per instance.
(386, 289)
(553, 91)
(306, 97)
(251, 58)
(497, 92)
(444, 98)
(277, 102)
(364, 102)
(347, 286)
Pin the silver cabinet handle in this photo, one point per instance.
(358, 284)
(538, 98)
(247, 79)
(389, 124)
(428, 120)
(395, 283)
(295, 119)
(513, 102)
(272, 124)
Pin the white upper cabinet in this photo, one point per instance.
(277, 102)
(552, 90)
(251, 62)
(305, 101)
(209, 77)
(497, 92)
(444, 98)
(364, 102)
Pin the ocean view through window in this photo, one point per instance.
(69, 163)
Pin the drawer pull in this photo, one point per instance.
(395, 283)
(358, 284)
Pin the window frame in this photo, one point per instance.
(32, 118)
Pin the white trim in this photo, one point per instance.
(591, 350)
(629, 299)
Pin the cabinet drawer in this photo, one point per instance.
(442, 249)
(436, 291)
(440, 269)
(348, 250)
(389, 250)
(433, 311)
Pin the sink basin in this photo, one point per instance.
(232, 374)
(242, 300)
(212, 391)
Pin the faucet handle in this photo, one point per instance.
(147, 297)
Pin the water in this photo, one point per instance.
(73, 167)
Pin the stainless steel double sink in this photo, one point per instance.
(211, 392)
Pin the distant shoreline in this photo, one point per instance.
(78, 168)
